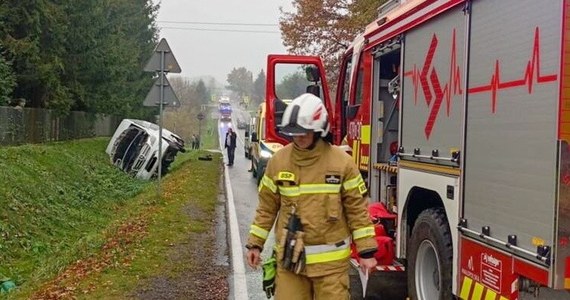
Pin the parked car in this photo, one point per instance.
(134, 148)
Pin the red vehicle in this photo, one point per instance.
(457, 114)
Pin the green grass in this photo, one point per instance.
(61, 202)
(193, 187)
(210, 136)
(55, 199)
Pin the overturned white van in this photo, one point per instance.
(134, 148)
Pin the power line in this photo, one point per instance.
(219, 30)
(219, 23)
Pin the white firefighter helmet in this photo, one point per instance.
(305, 113)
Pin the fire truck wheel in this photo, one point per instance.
(430, 256)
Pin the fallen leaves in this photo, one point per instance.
(114, 253)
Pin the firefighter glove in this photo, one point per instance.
(269, 272)
(298, 259)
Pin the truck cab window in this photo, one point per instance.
(291, 81)
(359, 84)
(345, 92)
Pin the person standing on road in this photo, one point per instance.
(316, 193)
(230, 144)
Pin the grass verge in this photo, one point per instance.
(210, 137)
(145, 242)
(70, 215)
(57, 199)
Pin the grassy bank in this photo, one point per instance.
(178, 243)
(55, 200)
(67, 212)
(210, 135)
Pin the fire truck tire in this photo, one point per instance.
(430, 256)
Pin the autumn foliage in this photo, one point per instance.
(326, 28)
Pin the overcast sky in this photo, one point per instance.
(215, 49)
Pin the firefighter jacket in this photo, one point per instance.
(326, 189)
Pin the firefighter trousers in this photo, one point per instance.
(290, 286)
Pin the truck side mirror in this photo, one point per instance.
(312, 74)
(254, 137)
(280, 107)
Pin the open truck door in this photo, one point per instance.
(288, 77)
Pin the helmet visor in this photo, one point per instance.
(294, 130)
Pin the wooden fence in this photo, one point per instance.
(32, 125)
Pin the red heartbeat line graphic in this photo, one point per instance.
(532, 67)
(451, 88)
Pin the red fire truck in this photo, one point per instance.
(458, 114)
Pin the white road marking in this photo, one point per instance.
(240, 283)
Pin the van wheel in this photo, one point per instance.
(430, 257)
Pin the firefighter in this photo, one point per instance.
(315, 192)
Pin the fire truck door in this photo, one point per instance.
(511, 147)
